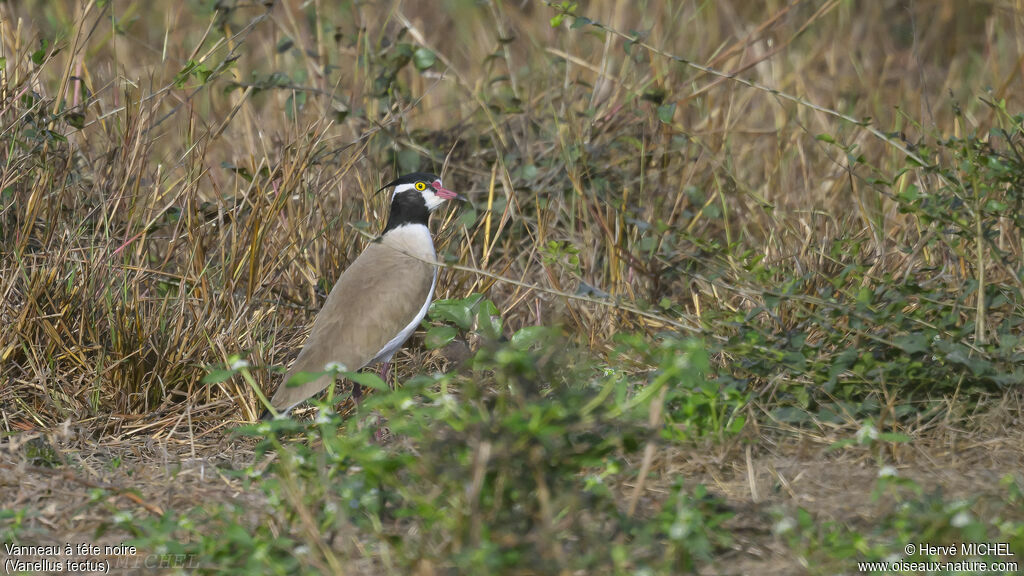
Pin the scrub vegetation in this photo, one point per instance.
(738, 289)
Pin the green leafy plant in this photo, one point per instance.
(543, 452)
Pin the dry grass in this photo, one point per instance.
(153, 222)
(140, 251)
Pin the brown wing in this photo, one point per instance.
(374, 299)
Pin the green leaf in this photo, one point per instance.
(458, 312)
(182, 76)
(300, 378)
(529, 336)
(202, 73)
(39, 56)
(488, 320)
(294, 104)
(995, 206)
(556, 20)
(439, 336)
(192, 69)
(218, 375)
(423, 58)
(580, 22)
(75, 119)
(790, 415)
(912, 343)
(468, 216)
(909, 194)
(366, 379)
(666, 112)
(864, 295)
(957, 353)
(408, 160)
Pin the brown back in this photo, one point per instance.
(374, 299)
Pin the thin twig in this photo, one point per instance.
(616, 304)
(865, 124)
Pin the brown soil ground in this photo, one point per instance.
(782, 471)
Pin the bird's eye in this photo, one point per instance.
(421, 186)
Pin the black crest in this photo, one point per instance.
(411, 178)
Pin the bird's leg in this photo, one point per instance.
(384, 371)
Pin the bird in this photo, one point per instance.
(379, 300)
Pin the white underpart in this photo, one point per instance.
(395, 343)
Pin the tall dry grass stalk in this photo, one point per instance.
(182, 182)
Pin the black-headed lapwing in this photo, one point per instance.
(379, 300)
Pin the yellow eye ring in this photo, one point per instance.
(421, 186)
